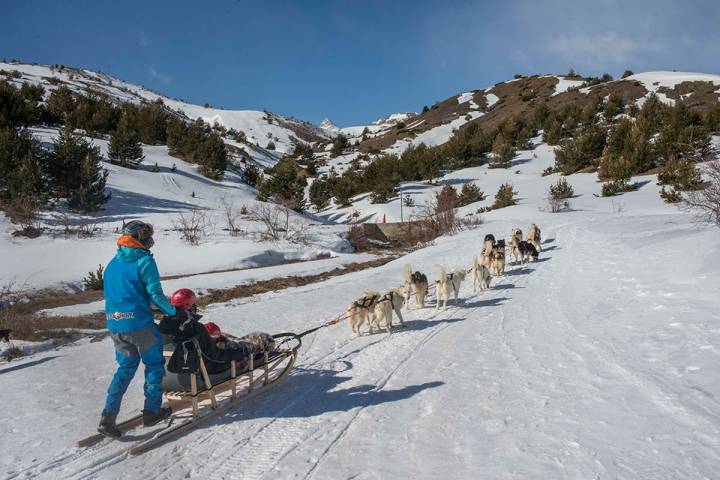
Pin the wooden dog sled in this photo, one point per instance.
(198, 397)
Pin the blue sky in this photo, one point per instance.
(355, 61)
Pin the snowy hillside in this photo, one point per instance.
(259, 126)
(597, 361)
(158, 197)
(489, 106)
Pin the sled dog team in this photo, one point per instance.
(377, 308)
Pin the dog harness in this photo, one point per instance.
(366, 302)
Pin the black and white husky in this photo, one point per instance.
(415, 284)
(527, 251)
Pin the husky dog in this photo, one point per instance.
(448, 283)
(498, 262)
(515, 239)
(391, 302)
(487, 246)
(480, 274)
(486, 254)
(534, 237)
(516, 233)
(415, 284)
(357, 312)
(527, 251)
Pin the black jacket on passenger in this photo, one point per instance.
(193, 340)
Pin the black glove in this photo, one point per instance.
(186, 320)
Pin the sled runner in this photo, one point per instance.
(197, 396)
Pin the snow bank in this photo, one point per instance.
(564, 84)
(492, 99)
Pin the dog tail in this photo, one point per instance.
(441, 273)
(408, 273)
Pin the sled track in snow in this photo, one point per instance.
(257, 447)
(279, 437)
(259, 453)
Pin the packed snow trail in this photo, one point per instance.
(598, 361)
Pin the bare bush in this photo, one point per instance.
(84, 226)
(233, 215)
(273, 219)
(276, 225)
(705, 203)
(87, 227)
(472, 221)
(24, 212)
(556, 205)
(193, 225)
(439, 216)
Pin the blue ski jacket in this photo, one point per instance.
(131, 282)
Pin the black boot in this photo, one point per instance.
(152, 418)
(108, 427)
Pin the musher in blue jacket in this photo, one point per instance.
(131, 282)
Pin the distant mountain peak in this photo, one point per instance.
(327, 124)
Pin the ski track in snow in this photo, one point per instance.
(536, 378)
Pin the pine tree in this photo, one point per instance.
(90, 195)
(124, 148)
(319, 193)
(470, 193)
(60, 104)
(503, 152)
(552, 131)
(64, 162)
(21, 167)
(505, 196)
(340, 143)
(213, 157)
(75, 172)
(251, 174)
(285, 185)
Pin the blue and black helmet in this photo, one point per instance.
(141, 231)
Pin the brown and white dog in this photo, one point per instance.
(391, 302)
(534, 237)
(480, 275)
(448, 284)
(415, 284)
(498, 261)
(515, 239)
(357, 312)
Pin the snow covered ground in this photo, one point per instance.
(598, 361)
(158, 198)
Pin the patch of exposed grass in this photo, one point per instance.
(263, 286)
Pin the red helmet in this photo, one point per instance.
(213, 330)
(183, 298)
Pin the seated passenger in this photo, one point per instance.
(217, 351)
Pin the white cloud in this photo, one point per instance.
(160, 77)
